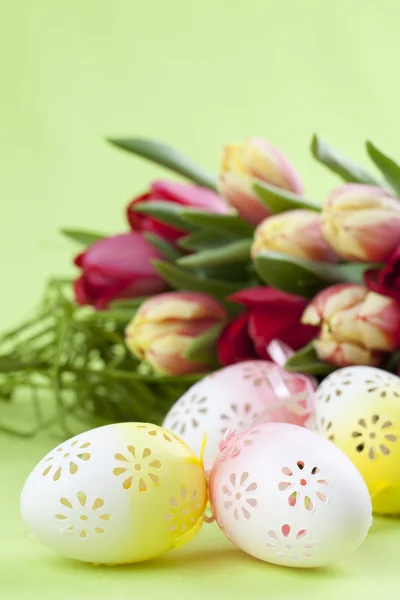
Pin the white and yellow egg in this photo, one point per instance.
(117, 494)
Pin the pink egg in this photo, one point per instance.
(236, 397)
(287, 496)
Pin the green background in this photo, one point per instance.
(198, 73)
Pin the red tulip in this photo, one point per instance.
(117, 267)
(192, 196)
(271, 314)
(386, 281)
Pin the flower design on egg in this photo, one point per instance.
(136, 466)
(232, 443)
(185, 510)
(333, 386)
(154, 431)
(325, 429)
(239, 496)
(374, 436)
(385, 384)
(81, 517)
(188, 410)
(67, 458)
(305, 486)
(240, 415)
(290, 543)
(257, 373)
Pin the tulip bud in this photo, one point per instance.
(357, 326)
(244, 164)
(295, 233)
(362, 222)
(166, 325)
(187, 195)
(119, 266)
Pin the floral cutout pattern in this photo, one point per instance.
(154, 431)
(82, 518)
(384, 384)
(304, 486)
(374, 436)
(334, 386)
(240, 415)
(66, 459)
(325, 428)
(190, 409)
(137, 467)
(185, 510)
(239, 496)
(257, 373)
(232, 443)
(288, 542)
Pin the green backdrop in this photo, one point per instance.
(198, 73)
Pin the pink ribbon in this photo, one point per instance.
(279, 352)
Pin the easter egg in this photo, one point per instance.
(233, 398)
(358, 408)
(287, 496)
(117, 494)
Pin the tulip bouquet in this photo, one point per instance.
(208, 273)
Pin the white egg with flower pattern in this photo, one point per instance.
(287, 496)
(117, 494)
(233, 398)
(358, 408)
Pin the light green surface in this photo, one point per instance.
(198, 73)
(209, 567)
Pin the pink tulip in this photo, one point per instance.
(244, 164)
(187, 195)
(117, 267)
(166, 325)
(295, 233)
(362, 222)
(357, 327)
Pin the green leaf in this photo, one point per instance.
(184, 280)
(304, 277)
(167, 212)
(235, 252)
(307, 361)
(8, 364)
(168, 251)
(231, 225)
(85, 238)
(341, 165)
(277, 200)
(166, 156)
(119, 315)
(132, 303)
(203, 240)
(203, 349)
(389, 168)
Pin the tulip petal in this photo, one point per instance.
(181, 305)
(343, 354)
(166, 356)
(265, 325)
(380, 322)
(234, 344)
(259, 296)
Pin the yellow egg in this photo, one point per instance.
(358, 408)
(117, 494)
